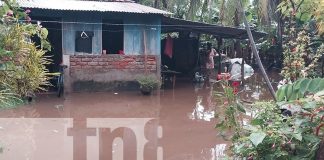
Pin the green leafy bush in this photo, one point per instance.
(300, 60)
(232, 108)
(269, 134)
(300, 89)
(148, 82)
(22, 63)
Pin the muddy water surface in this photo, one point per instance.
(172, 124)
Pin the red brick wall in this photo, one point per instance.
(105, 72)
(113, 62)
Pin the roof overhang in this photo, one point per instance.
(74, 5)
(178, 25)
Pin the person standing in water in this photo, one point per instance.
(211, 52)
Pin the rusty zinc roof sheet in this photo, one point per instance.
(74, 5)
(176, 25)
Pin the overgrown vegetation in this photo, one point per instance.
(303, 45)
(300, 60)
(271, 133)
(292, 127)
(22, 63)
(232, 107)
(8, 98)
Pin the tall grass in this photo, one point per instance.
(8, 99)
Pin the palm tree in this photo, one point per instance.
(194, 6)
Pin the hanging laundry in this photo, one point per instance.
(168, 46)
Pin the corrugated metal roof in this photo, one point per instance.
(74, 5)
(176, 25)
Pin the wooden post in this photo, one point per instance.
(255, 51)
(242, 67)
(249, 58)
(322, 66)
(145, 56)
(219, 43)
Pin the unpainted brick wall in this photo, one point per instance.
(123, 62)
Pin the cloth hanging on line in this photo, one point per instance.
(168, 50)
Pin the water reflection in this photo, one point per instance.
(256, 94)
(201, 112)
(255, 87)
(218, 152)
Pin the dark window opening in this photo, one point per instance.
(113, 36)
(83, 41)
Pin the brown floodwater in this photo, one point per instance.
(171, 124)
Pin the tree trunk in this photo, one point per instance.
(221, 14)
(165, 4)
(237, 43)
(157, 4)
(219, 43)
(145, 55)
(204, 7)
(242, 67)
(322, 66)
(280, 29)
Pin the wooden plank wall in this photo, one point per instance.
(133, 35)
(84, 22)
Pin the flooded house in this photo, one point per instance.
(189, 50)
(104, 44)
